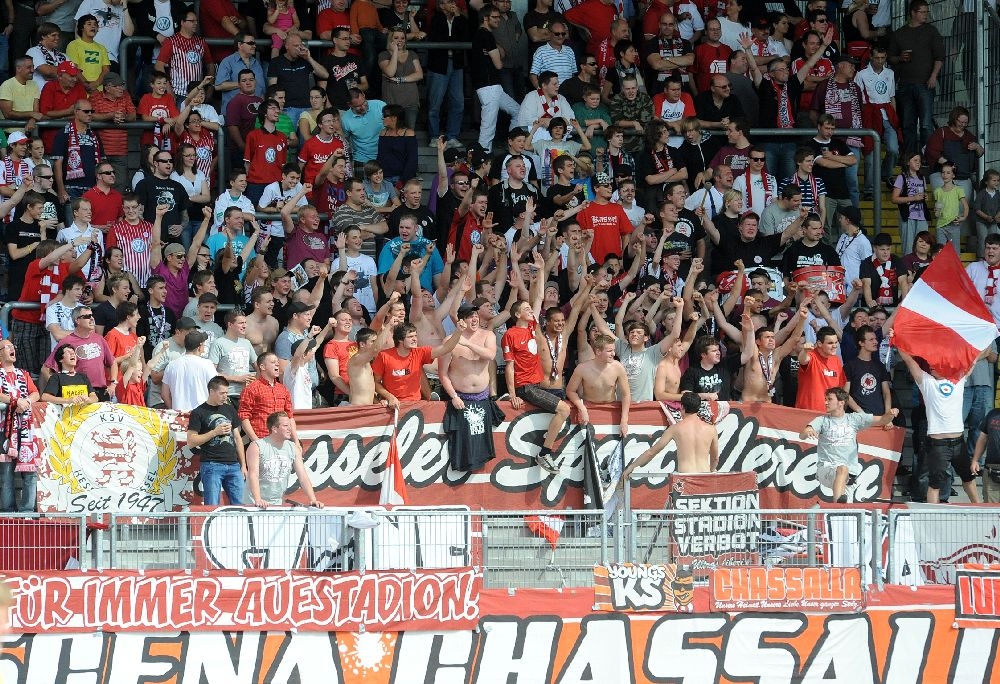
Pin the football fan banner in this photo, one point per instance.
(943, 320)
(780, 588)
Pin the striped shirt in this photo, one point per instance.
(547, 58)
(134, 241)
(186, 58)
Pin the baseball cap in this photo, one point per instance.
(112, 79)
(16, 137)
(478, 159)
(466, 310)
(68, 67)
(851, 214)
(278, 273)
(186, 323)
(453, 155)
(602, 179)
(305, 340)
(844, 57)
(762, 23)
(207, 298)
(299, 307)
(173, 248)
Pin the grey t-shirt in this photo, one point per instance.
(275, 467)
(233, 357)
(283, 348)
(838, 439)
(640, 367)
(774, 219)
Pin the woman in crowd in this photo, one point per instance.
(194, 182)
(401, 72)
(307, 121)
(397, 147)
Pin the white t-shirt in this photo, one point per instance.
(72, 232)
(110, 23)
(879, 87)
(758, 199)
(61, 315)
(943, 400)
(271, 194)
(366, 269)
(187, 377)
(299, 385)
(225, 201)
(687, 27)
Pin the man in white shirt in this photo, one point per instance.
(759, 188)
(542, 106)
(185, 380)
(878, 88)
(853, 246)
(274, 197)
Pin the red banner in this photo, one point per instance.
(977, 597)
(135, 460)
(307, 601)
(533, 636)
(779, 589)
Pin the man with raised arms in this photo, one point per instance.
(262, 327)
(697, 442)
(761, 360)
(600, 380)
(465, 372)
(667, 382)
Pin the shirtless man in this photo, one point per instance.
(760, 359)
(601, 380)
(262, 327)
(465, 372)
(552, 341)
(667, 382)
(359, 367)
(428, 318)
(697, 442)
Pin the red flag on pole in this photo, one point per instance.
(943, 320)
(547, 526)
(393, 486)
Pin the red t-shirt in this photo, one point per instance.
(471, 234)
(53, 99)
(401, 374)
(40, 285)
(120, 343)
(158, 108)
(815, 379)
(609, 222)
(822, 69)
(107, 207)
(314, 153)
(596, 17)
(709, 60)
(521, 348)
(265, 153)
(212, 14)
(342, 350)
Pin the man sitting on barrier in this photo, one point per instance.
(602, 379)
(271, 460)
(837, 449)
(696, 441)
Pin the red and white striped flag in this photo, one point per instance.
(943, 320)
(393, 486)
(547, 526)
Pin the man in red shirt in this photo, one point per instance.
(607, 220)
(524, 376)
(264, 396)
(114, 105)
(314, 152)
(594, 17)
(265, 151)
(399, 369)
(820, 368)
(711, 56)
(104, 199)
(821, 71)
(470, 221)
(59, 98)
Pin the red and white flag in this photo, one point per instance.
(393, 486)
(943, 320)
(547, 526)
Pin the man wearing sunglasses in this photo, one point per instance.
(95, 359)
(76, 153)
(554, 56)
(245, 57)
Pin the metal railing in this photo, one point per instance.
(220, 138)
(912, 546)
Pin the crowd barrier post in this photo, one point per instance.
(10, 306)
(811, 535)
(876, 545)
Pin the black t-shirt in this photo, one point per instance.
(757, 252)
(153, 191)
(105, 316)
(484, 72)
(890, 272)
(425, 221)
(155, 325)
(67, 386)
(345, 73)
(651, 164)
(551, 207)
(717, 379)
(533, 19)
(293, 76)
(205, 418)
(501, 201)
(799, 255)
(990, 426)
(866, 378)
(835, 179)
(20, 234)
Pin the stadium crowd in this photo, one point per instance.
(594, 243)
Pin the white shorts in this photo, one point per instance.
(826, 473)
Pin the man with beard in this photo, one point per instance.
(471, 414)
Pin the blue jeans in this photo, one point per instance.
(218, 476)
(976, 403)
(294, 113)
(851, 173)
(438, 87)
(915, 101)
(29, 483)
(780, 159)
(890, 143)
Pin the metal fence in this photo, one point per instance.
(509, 552)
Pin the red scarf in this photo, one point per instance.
(661, 166)
(992, 275)
(785, 118)
(74, 159)
(767, 189)
(546, 110)
(887, 274)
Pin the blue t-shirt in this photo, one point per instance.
(363, 130)
(418, 247)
